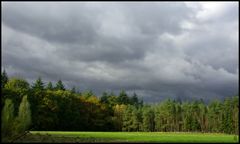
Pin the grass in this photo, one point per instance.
(61, 136)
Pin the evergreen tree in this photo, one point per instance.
(50, 86)
(148, 119)
(235, 114)
(127, 119)
(104, 98)
(4, 78)
(73, 90)
(38, 85)
(178, 117)
(62, 110)
(136, 119)
(123, 98)
(23, 120)
(140, 104)
(227, 116)
(112, 100)
(187, 116)
(59, 85)
(195, 117)
(134, 100)
(215, 117)
(7, 119)
(178, 99)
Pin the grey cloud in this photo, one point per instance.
(220, 52)
(139, 47)
(108, 49)
(157, 18)
(78, 28)
(52, 22)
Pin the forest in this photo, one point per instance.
(52, 107)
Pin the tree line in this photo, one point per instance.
(48, 107)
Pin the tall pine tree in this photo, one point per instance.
(4, 78)
(59, 85)
(50, 86)
(38, 85)
(7, 119)
(73, 90)
(123, 98)
(24, 116)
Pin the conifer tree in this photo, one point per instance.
(38, 85)
(59, 85)
(23, 120)
(50, 86)
(4, 78)
(7, 118)
(73, 90)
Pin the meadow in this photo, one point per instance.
(162, 137)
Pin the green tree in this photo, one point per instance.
(236, 114)
(228, 126)
(23, 119)
(123, 98)
(50, 86)
(215, 116)
(45, 117)
(15, 89)
(119, 111)
(195, 125)
(87, 94)
(127, 119)
(137, 119)
(38, 85)
(104, 98)
(4, 78)
(134, 100)
(140, 104)
(59, 85)
(179, 117)
(203, 116)
(132, 119)
(73, 90)
(7, 119)
(17, 84)
(165, 115)
(148, 119)
(112, 100)
(187, 116)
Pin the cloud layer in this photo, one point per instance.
(157, 49)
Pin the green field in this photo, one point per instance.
(58, 136)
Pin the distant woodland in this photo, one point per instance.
(52, 107)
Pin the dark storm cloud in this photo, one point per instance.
(158, 50)
(114, 32)
(51, 21)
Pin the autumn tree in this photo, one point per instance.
(118, 116)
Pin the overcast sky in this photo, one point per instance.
(157, 49)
